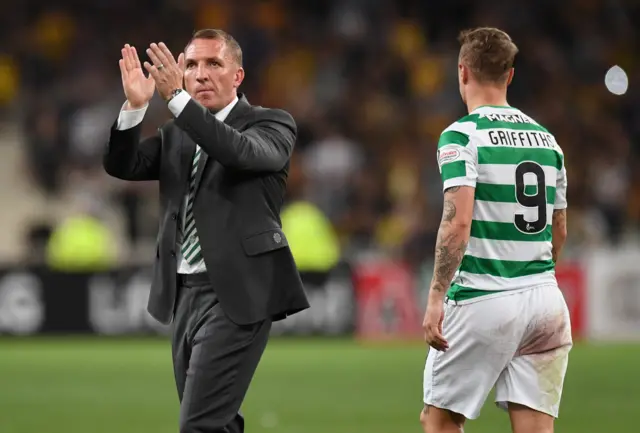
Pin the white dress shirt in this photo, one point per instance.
(130, 118)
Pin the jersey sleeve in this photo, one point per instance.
(457, 159)
(561, 189)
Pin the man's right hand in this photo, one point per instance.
(137, 88)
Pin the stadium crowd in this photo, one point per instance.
(371, 83)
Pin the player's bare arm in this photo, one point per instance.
(558, 232)
(453, 236)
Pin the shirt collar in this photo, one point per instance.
(222, 114)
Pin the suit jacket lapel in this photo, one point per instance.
(240, 108)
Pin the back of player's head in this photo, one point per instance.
(489, 54)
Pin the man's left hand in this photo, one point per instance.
(432, 326)
(165, 70)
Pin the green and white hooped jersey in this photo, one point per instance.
(517, 170)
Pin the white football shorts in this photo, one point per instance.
(517, 341)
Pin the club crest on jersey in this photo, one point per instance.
(445, 156)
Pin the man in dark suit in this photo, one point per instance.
(223, 271)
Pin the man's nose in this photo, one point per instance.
(201, 73)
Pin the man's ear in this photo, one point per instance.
(510, 78)
(463, 71)
(238, 78)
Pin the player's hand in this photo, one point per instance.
(165, 70)
(432, 325)
(137, 88)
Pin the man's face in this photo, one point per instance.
(211, 74)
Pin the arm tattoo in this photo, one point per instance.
(449, 207)
(559, 217)
(559, 220)
(450, 248)
(449, 211)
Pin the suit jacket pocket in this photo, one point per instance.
(264, 242)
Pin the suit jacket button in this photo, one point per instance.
(173, 253)
(174, 216)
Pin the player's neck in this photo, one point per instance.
(486, 96)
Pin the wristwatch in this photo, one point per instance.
(174, 93)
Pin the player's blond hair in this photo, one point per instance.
(488, 52)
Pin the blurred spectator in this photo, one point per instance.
(82, 242)
(330, 163)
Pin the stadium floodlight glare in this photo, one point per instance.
(616, 80)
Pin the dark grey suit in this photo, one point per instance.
(251, 276)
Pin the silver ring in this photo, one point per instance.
(160, 66)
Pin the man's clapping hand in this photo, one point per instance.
(137, 88)
(167, 73)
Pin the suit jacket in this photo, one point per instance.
(240, 188)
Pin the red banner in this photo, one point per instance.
(572, 282)
(388, 305)
(387, 301)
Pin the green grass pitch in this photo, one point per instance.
(302, 386)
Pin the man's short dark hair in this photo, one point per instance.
(230, 43)
(488, 52)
